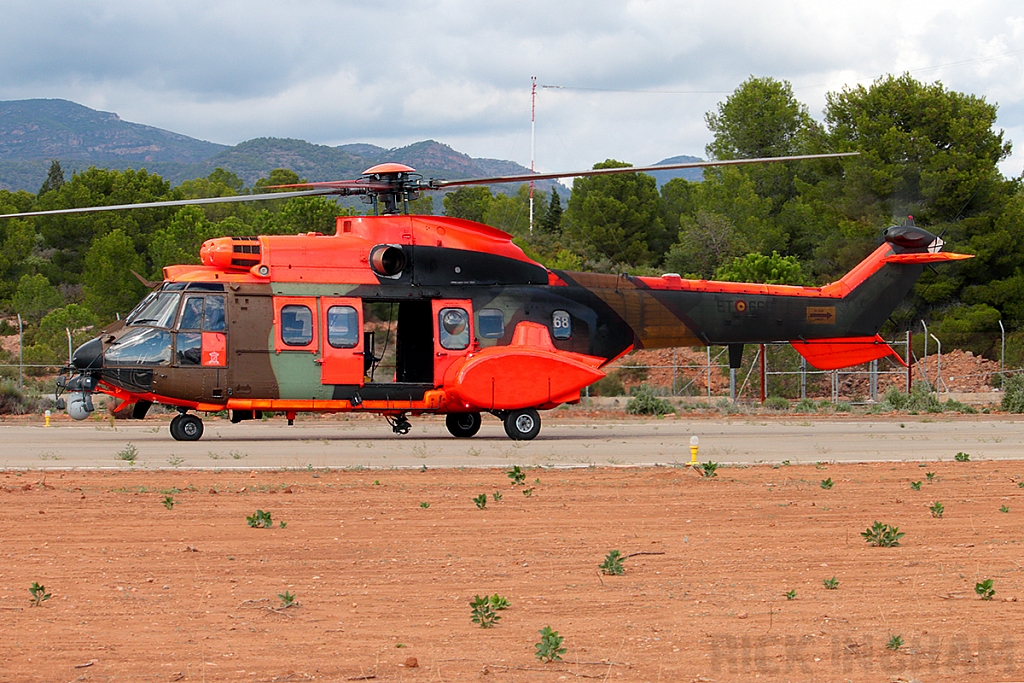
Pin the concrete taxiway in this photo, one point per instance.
(562, 442)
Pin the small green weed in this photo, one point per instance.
(497, 496)
(283, 524)
(882, 535)
(260, 520)
(287, 600)
(827, 483)
(168, 502)
(984, 589)
(499, 602)
(517, 475)
(129, 454)
(175, 460)
(962, 457)
(895, 643)
(916, 485)
(831, 584)
(612, 564)
(930, 476)
(481, 501)
(549, 649)
(791, 594)
(707, 469)
(937, 509)
(528, 492)
(39, 594)
(424, 505)
(483, 612)
(1004, 508)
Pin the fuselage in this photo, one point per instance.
(286, 323)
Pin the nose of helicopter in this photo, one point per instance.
(89, 356)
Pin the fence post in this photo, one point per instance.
(709, 376)
(675, 363)
(1002, 356)
(21, 355)
(764, 388)
(910, 361)
(874, 381)
(938, 369)
(803, 378)
(924, 365)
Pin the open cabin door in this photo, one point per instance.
(453, 334)
(343, 348)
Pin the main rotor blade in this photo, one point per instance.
(438, 184)
(177, 202)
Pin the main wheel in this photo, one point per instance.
(523, 424)
(187, 428)
(462, 425)
(176, 427)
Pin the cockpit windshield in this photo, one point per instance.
(144, 346)
(158, 310)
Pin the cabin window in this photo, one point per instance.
(213, 316)
(140, 347)
(192, 314)
(342, 327)
(190, 348)
(561, 325)
(453, 327)
(490, 323)
(158, 310)
(296, 325)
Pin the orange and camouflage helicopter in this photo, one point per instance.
(278, 324)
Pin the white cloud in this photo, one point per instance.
(333, 71)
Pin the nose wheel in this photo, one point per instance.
(186, 427)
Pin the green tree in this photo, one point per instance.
(54, 178)
(71, 236)
(769, 270)
(761, 118)
(618, 217)
(35, 297)
(180, 241)
(278, 176)
(551, 222)
(51, 342)
(469, 203)
(110, 286)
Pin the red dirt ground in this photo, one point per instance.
(145, 593)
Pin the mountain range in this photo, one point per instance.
(34, 132)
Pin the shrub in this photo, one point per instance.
(1013, 394)
(612, 564)
(609, 385)
(483, 611)
(805, 405)
(776, 403)
(12, 399)
(644, 402)
(882, 535)
(549, 649)
(260, 520)
(984, 589)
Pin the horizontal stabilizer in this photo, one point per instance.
(842, 352)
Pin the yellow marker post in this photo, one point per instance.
(47, 415)
(694, 443)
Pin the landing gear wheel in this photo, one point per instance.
(463, 425)
(522, 425)
(176, 427)
(399, 424)
(186, 428)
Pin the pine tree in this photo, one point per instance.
(552, 220)
(54, 179)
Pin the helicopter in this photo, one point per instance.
(280, 324)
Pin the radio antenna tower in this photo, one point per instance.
(533, 134)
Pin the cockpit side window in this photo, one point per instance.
(159, 312)
(191, 313)
(144, 346)
(213, 317)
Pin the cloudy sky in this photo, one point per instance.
(636, 77)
